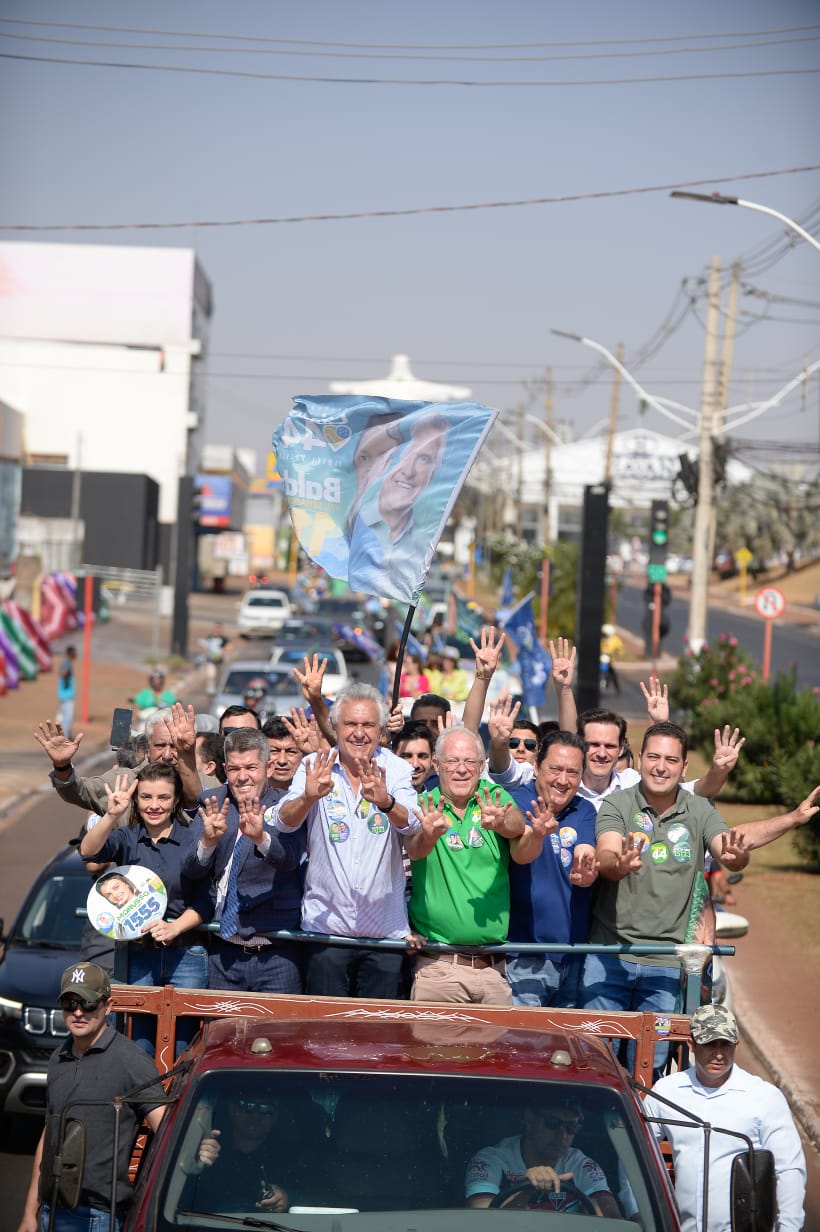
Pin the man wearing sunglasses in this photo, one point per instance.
(542, 1155)
(524, 742)
(95, 1063)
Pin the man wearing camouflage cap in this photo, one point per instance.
(716, 1090)
(95, 1063)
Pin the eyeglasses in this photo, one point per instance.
(450, 763)
(529, 744)
(570, 774)
(252, 1105)
(70, 1005)
(570, 1126)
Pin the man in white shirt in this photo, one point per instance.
(358, 804)
(716, 1090)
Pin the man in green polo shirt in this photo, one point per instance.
(461, 888)
(651, 843)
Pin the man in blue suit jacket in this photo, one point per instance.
(256, 873)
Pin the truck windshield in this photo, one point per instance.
(325, 1150)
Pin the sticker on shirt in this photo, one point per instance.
(638, 841)
(677, 833)
(335, 808)
(566, 857)
(663, 1024)
(377, 823)
(475, 838)
(659, 853)
(453, 841)
(338, 831)
(269, 815)
(556, 844)
(643, 822)
(568, 835)
(682, 852)
(126, 901)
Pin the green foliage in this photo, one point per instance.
(525, 559)
(780, 762)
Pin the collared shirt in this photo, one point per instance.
(355, 874)
(750, 1106)
(544, 904)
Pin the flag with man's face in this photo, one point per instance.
(370, 483)
(535, 663)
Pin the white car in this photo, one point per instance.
(292, 654)
(263, 612)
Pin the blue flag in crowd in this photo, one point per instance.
(507, 598)
(535, 663)
(361, 639)
(370, 483)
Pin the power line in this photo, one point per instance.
(671, 38)
(660, 79)
(603, 194)
(562, 57)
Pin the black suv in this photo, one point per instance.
(43, 940)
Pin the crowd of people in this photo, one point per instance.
(382, 838)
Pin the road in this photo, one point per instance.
(791, 644)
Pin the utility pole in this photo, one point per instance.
(613, 414)
(545, 517)
(725, 375)
(701, 559)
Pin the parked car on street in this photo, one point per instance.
(292, 654)
(43, 940)
(282, 689)
(263, 612)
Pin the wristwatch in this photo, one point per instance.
(388, 808)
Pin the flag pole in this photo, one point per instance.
(405, 633)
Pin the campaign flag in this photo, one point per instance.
(533, 660)
(507, 593)
(370, 483)
(469, 619)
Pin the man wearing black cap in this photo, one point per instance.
(95, 1063)
(716, 1090)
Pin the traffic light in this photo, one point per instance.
(658, 539)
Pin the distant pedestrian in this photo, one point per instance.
(66, 690)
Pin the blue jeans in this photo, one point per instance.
(183, 967)
(80, 1219)
(610, 983)
(543, 979)
(271, 968)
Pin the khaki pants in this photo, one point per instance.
(460, 977)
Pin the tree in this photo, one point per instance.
(772, 515)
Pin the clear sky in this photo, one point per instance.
(471, 296)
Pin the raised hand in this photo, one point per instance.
(497, 816)
(374, 782)
(734, 852)
(304, 731)
(630, 857)
(807, 808)
(250, 819)
(542, 818)
(119, 800)
(56, 743)
(214, 820)
(657, 700)
(181, 727)
(563, 662)
(502, 716)
(728, 744)
(584, 868)
(318, 776)
(433, 822)
(488, 652)
(311, 678)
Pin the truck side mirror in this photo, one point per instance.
(69, 1164)
(753, 1192)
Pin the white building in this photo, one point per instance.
(101, 349)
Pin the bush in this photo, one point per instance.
(780, 762)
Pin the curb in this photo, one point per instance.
(764, 1046)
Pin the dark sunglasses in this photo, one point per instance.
(252, 1105)
(569, 1126)
(529, 744)
(70, 1005)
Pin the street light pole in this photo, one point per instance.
(701, 534)
(722, 199)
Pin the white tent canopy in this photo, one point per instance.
(401, 383)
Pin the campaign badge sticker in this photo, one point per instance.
(475, 838)
(682, 852)
(677, 833)
(338, 831)
(659, 853)
(453, 841)
(125, 901)
(568, 836)
(643, 822)
(556, 844)
(335, 808)
(377, 823)
(663, 1024)
(566, 857)
(638, 841)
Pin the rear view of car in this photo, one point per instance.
(263, 612)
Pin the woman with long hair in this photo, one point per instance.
(171, 951)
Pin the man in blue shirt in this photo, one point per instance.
(549, 899)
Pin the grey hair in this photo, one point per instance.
(247, 740)
(460, 731)
(159, 716)
(358, 692)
